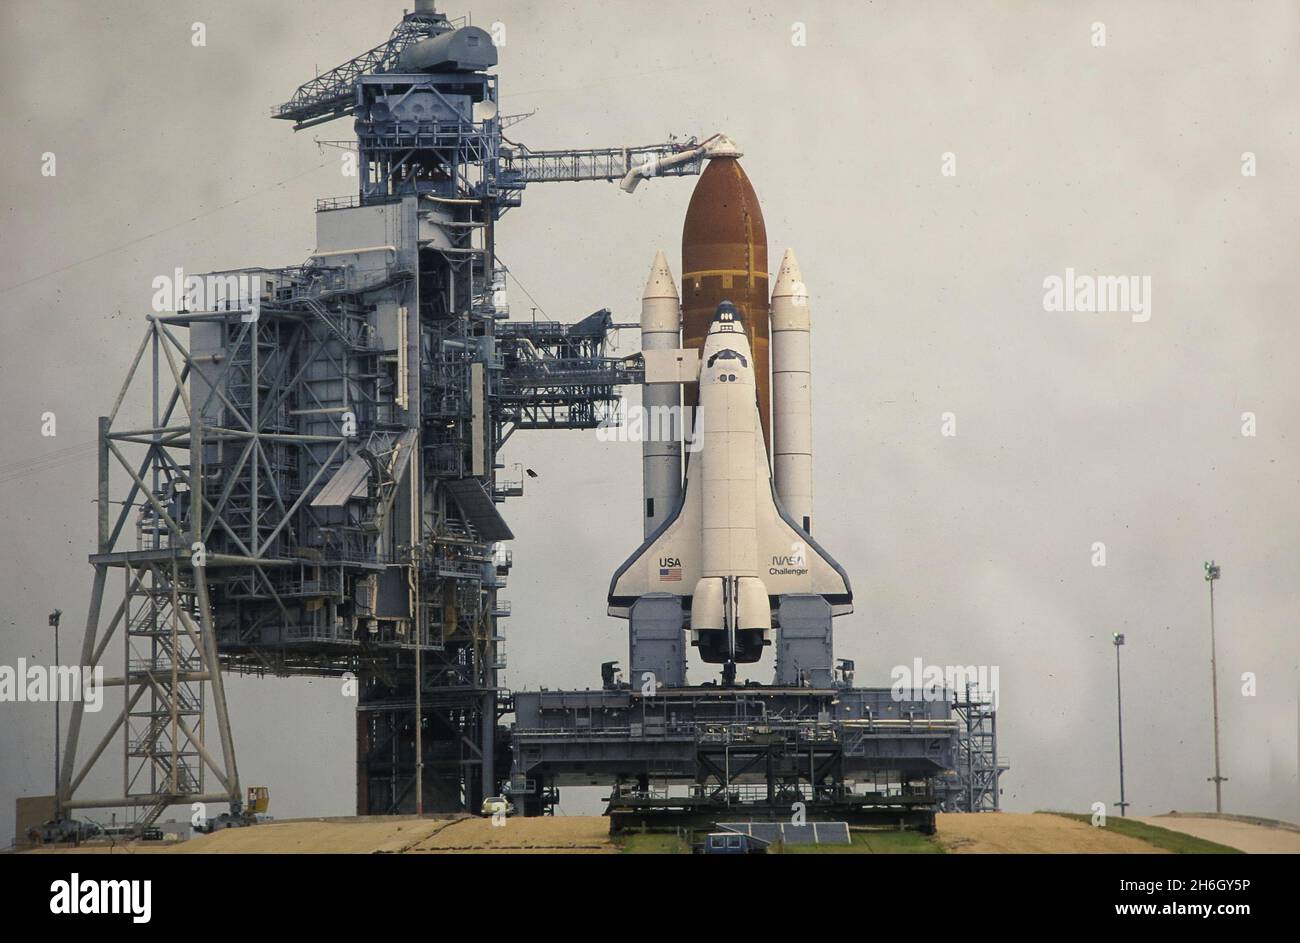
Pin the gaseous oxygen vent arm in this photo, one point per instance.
(719, 145)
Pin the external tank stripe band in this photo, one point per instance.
(707, 273)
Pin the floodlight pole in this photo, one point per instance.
(55, 616)
(1118, 639)
(1211, 575)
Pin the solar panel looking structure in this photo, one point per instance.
(788, 833)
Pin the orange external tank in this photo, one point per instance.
(724, 258)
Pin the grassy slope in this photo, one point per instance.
(1177, 842)
(875, 843)
(652, 843)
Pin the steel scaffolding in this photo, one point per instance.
(978, 766)
(315, 491)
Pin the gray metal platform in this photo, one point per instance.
(846, 753)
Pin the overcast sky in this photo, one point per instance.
(927, 289)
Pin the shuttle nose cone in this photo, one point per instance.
(726, 311)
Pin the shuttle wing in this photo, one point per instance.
(790, 561)
(669, 560)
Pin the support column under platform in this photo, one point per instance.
(656, 643)
(804, 651)
(458, 722)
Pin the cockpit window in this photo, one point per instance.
(728, 355)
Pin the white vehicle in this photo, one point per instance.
(497, 805)
(729, 545)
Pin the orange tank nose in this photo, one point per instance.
(724, 258)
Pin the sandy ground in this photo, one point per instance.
(992, 833)
(561, 834)
(1250, 837)
(363, 836)
(1020, 833)
(390, 835)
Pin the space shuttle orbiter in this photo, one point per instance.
(728, 546)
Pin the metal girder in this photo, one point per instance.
(978, 765)
(331, 94)
(523, 165)
(164, 618)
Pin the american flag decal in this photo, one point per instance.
(670, 574)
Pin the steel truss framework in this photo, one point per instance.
(978, 765)
(522, 165)
(560, 376)
(170, 659)
(331, 94)
(229, 559)
(427, 717)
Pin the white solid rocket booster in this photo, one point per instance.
(792, 392)
(661, 449)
